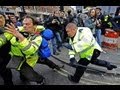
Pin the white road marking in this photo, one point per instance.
(85, 80)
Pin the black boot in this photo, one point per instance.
(71, 78)
(8, 83)
(22, 78)
(42, 82)
(7, 77)
(111, 66)
(104, 64)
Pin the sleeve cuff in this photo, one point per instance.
(72, 56)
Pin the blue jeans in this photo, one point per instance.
(58, 39)
(98, 36)
(56, 42)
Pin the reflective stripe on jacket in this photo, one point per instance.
(106, 20)
(29, 47)
(83, 43)
(39, 28)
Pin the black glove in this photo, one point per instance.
(73, 62)
(67, 45)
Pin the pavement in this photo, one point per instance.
(90, 77)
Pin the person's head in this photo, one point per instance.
(71, 29)
(2, 20)
(92, 13)
(29, 23)
(13, 19)
(56, 13)
(98, 10)
(62, 13)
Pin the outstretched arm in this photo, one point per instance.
(12, 30)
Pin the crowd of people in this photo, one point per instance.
(21, 39)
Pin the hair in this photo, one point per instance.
(13, 16)
(90, 12)
(71, 25)
(98, 8)
(33, 19)
(4, 22)
(2, 14)
(56, 11)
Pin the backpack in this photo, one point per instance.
(44, 50)
(47, 34)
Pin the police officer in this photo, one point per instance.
(5, 56)
(108, 22)
(81, 41)
(39, 29)
(31, 32)
(25, 47)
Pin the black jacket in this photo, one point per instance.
(54, 27)
(5, 49)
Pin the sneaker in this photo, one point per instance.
(71, 78)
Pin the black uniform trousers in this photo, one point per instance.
(83, 61)
(5, 72)
(28, 73)
(47, 62)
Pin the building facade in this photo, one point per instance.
(38, 11)
(32, 10)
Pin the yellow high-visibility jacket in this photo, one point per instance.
(106, 19)
(28, 47)
(39, 28)
(83, 43)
